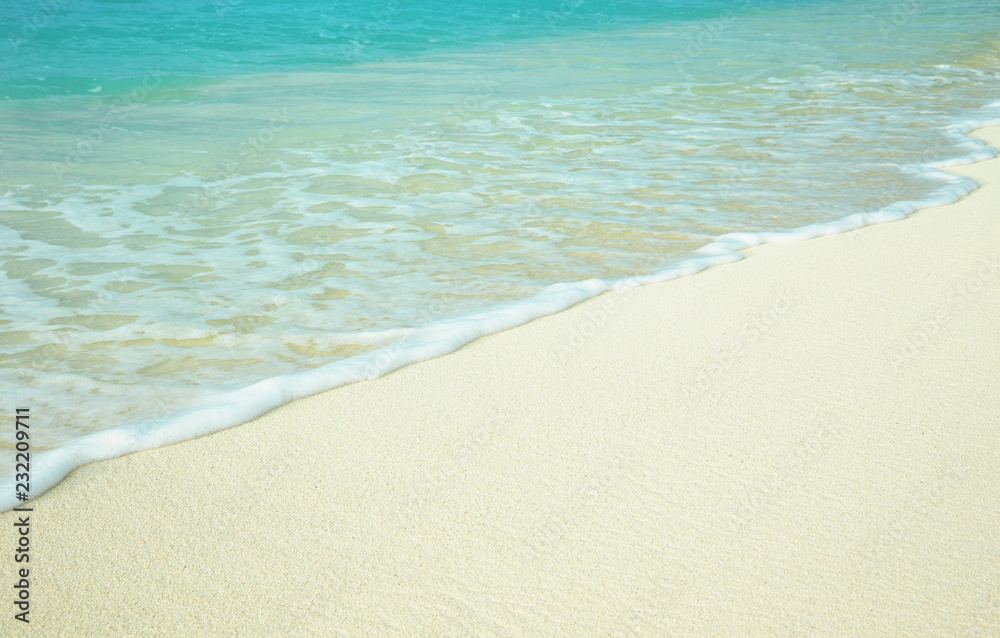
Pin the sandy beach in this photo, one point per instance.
(800, 443)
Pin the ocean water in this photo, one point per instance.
(204, 195)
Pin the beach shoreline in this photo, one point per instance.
(238, 406)
(802, 441)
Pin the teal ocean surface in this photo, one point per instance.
(203, 195)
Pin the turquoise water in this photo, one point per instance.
(197, 196)
(73, 43)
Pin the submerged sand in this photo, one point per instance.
(801, 443)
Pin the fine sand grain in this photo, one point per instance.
(801, 443)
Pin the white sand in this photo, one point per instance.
(801, 443)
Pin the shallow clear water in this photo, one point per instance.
(199, 196)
